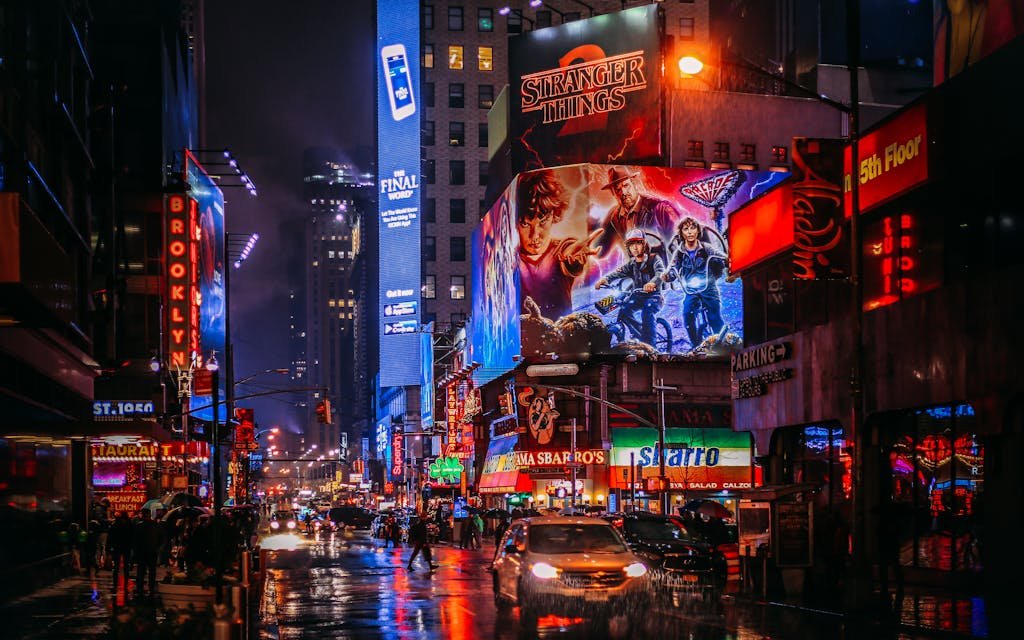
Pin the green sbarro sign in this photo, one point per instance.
(712, 459)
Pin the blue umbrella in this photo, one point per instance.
(153, 505)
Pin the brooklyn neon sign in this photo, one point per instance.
(182, 301)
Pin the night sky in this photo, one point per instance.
(280, 77)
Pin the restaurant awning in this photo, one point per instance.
(501, 475)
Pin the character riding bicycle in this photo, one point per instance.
(698, 265)
(643, 269)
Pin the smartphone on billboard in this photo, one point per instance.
(396, 73)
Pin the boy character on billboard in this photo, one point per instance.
(634, 210)
(698, 264)
(643, 269)
(548, 267)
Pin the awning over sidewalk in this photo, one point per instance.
(501, 475)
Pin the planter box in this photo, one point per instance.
(180, 596)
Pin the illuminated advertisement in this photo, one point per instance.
(711, 459)
(899, 260)
(891, 159)
(427, 378)
(398, 165)
(966, 32)
(613, 259)
(208, 202)
(821, 251)
(587, 91)
(181, 302)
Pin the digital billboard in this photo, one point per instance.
(966, 32)
(612, 259)
(427, 378)
(708, 459)
(208, 201)
(587, 91)
(398, 178)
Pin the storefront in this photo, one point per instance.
(124, 471)
(712, 462)
(500, 475)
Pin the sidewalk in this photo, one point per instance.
(74, 607)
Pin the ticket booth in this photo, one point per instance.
(776, 535)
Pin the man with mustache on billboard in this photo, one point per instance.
(548, 267)
(634, 211)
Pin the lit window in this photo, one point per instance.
(780, 155)
(330, 254)
(455, 56)
(458, 287)
(429, 286)
(330, 303)
(428, 56)
(485, 19)
(485, 59)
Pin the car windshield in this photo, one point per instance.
(570, 538)
(656, 530)
(284, 515)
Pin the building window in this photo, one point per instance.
(694, 148)
(458, 287)
(455, 19)
(429, 174)
(483, 168)
(429, 210)
(481, 130)
(721, 151)
(427, 133)
(543, 19)
(485, 19)
(686, 28)
(457, 210)
(428, 17)
(780, 155)
(456, 172)
(428, 94)
(456, 95)
(429, 248)
(457, 134)
(485, 58)
(485, 96)
(455, 56)
(748, 152)
(457, 249)
(429, 286)
(515, 22)
(428, 56)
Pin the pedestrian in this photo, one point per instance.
(148, 537)
(418, 539)
(500, 530)
(476, 530)
(465, 537)
(120, 541)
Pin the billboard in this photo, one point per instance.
(398, 166)
(427, 378)
(587, 91)
(611, 259)
(891, 159)
(208, 202)
(707, 459)
(966, 32)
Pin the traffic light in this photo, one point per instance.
(323, 412)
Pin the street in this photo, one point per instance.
(352, 587)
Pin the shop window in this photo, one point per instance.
(930, 516)
(820, 455)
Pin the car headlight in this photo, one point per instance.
(544, 571)
(291, 524)
(275, 524)
(635, 570)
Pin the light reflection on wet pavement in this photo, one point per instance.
(351, 587)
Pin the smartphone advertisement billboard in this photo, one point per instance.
(587, 91)
(398, 179)
(209, 206)
(610, 259)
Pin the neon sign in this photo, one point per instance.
(182, 271)
(896, 264)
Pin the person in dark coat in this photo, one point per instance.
(120, 541)
(148, 538)
(418, 539)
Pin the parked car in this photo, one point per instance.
(680, 560)
(717, 525)
(569, 566)
(356, 517)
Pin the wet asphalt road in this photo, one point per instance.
(352, 587)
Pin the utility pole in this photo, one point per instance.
(572, 467)
(662, 480)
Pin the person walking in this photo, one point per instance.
(420, 543)
(499, 531)
(120, 541)
(476, 531)
(148, 537)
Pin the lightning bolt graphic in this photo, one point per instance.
(529, 147)
(625, 143)
(753, 188)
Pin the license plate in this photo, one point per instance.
(594, 596)
(689, 578)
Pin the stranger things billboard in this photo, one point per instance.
(594, 259)
(587, 91)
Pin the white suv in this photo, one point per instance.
(568, 566)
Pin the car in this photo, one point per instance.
(356, 517)
(569, 566)
(718, 526)
(283, 520)
(680, 560)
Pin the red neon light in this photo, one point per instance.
(182, 256)
(761, 228)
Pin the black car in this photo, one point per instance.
(679, 560)
(356, 517)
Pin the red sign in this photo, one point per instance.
(890, 160)
(123, 449)
(761, 228)
(397, 464)
(245, 429)
(559, 458)
(196, 449)
(127, 501)
(182, 306)
(452, 411)
(896, 265)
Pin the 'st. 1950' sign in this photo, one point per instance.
(118, 410)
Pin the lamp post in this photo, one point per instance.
(661, 388)
(218, 497)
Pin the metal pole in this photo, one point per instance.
(662, 481)
(632, 481)
(572, 454)
(218, 497)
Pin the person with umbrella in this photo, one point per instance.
(120, 541)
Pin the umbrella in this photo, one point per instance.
(185, 500)
(496, 513)
(708, 509)
(178, 513)
(153, 505)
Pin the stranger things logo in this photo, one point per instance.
(589, 91)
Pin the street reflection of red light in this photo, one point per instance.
(558, 622)
(457, 619)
